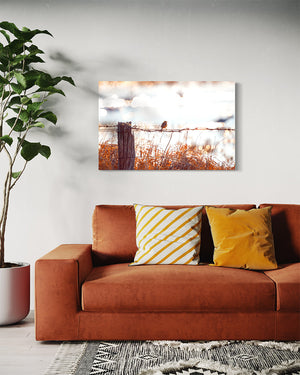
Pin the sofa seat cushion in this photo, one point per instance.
(287, 281)
(178, 288)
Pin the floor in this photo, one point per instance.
(20, 353)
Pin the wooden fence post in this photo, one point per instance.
(126, 149)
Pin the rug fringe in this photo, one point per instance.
(67, 358)
(206, 345)
(202, 345)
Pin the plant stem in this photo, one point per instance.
(4, 215)
(13, 184)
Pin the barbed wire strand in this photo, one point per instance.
(115, 127)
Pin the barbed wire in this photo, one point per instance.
(115, 127)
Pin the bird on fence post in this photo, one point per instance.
(164, 125)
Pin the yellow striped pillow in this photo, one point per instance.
(166, 236)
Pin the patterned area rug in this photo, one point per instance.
(176, 358)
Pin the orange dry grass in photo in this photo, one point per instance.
(151, 157)
(108, 156)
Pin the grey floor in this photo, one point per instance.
(20, 353)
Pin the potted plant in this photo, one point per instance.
(23, 94)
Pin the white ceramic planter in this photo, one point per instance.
(14, 293)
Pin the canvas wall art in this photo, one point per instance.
(166, 125)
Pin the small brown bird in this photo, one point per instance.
(164, 125)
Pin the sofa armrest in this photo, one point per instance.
(58, 278)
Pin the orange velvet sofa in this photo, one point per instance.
(88, 292)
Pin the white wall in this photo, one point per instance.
(254, 43)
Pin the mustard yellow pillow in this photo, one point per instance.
(242, 239)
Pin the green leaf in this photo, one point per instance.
(5, 95)
(28, 35)
(15, 47)
(32, 149)
(17, 59)
(3, 80)
(17, 126)
(17, 88)
(25, 100)
(14, 101)
(36, 114)
(50, 116)
(45, 151)
(44, 80)
(21, 79)
(51, 90)
(37, 125)
(31, 77)
(10, 27)
(3, 59)
(33, 107)
(34, 59)
(34, 49)
(7, 139)
(16, 174)
(25, 34)
(68, 79)
(7, 37)
(24, 115)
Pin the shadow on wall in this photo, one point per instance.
(89, 73)
(79, 116)
(77, 132)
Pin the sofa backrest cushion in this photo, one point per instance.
(114, 239)
(286, 231)
(113, 234)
